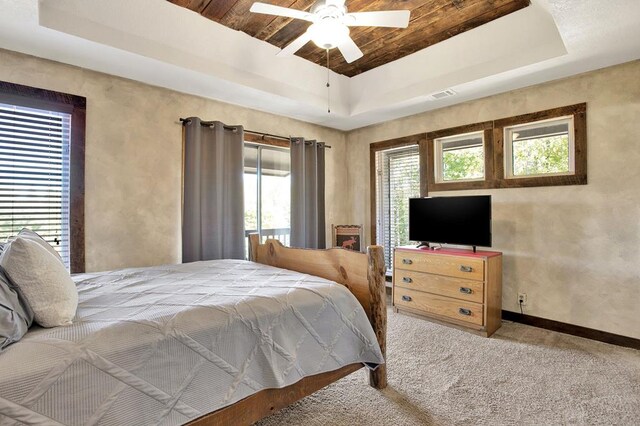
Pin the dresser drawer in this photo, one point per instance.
(458, 288)
(452, 266)
(437, 305)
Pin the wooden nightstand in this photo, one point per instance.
(455, 287)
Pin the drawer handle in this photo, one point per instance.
(407, 280)
(407, 298)
(466, 290)
(464, 268)
(407, 261)
(463, 311)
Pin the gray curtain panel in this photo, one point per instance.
(307, 194)
(213, 204)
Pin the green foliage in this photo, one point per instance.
(541, 156)
(463, 164)
(530, 157)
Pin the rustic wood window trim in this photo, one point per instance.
(428, 153)
(579, 177)
(266, 140)
(494, 156)
(32, 97)
(374, 148)
(494, 152)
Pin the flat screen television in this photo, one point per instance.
(462, 220)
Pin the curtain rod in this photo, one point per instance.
(206, 123)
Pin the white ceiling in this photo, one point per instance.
(178, 49)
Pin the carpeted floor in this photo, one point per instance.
(520, 376)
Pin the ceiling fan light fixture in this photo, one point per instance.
(330, 22)
(328, 33)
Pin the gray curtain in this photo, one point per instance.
(307, 194)
(213, 204)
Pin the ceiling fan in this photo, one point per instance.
(330, 25)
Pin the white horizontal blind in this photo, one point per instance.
(34, 174)
(398, 180)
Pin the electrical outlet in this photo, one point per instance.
(522, 299)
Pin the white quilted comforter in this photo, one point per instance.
(165, 345)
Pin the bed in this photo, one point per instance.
(203, 343)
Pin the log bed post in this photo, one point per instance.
(254, 240)
(378, 308)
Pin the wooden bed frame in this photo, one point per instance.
(362, 274)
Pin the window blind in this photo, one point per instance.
(398, 180)
(34, 174)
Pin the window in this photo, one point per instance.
(398, 179)
(42, 167)
(543, 148)
(539, 149)
(459, 158)
(34, 174)
(267, 191)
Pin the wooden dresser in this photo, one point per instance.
(457, 287)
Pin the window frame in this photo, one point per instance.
(32, 97)
(384, 198)
(266, 140)
(508, 146)
(374, 148)
(438, 154)
(579, 134)
(252, 142)
(430, 158)
(494, 156)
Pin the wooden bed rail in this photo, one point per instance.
(362, 274)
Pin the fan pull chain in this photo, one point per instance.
(328, 86)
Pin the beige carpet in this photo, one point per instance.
(520, 376)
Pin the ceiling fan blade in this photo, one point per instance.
(295, 45)
(389, 18)
(269, 9)
(350, 50)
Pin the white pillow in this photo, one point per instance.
(43, 280)
(33, 236)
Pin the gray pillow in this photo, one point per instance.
(43, 281)
(15, 314)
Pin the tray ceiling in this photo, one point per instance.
(159, 43)
(432, 21)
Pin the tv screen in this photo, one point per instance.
(451, 220)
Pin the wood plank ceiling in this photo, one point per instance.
(432, 21)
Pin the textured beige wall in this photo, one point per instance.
(574, 250)
(134, 154)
